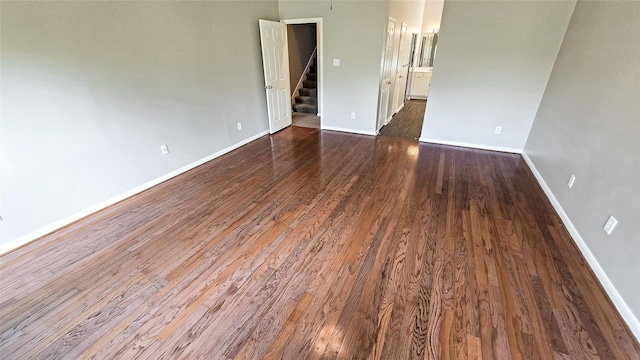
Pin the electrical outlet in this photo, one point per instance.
(498, 129)
(336, 62)
(353, 115)
(164, 149)
(239, 126)
(572, 179)
(610, 225)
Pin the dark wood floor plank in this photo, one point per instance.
(406, 123)
(316, 244)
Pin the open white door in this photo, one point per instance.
(385, 87)
(401, 69)
(275, 62)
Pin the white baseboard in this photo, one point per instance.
(353, 131)
(473, 146)
(608, 286)
(397, 110)
(77, 216)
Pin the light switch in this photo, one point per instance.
(610, 225)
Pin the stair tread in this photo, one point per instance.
(305, 105)
(308, 92)
(304, 99)
(308, 108)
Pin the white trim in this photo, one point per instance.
(302, 21)
(608, 286)
(353, 131)
(389, 119)
(79, 215)
(320, 56)
(473, 146)
(303, 77)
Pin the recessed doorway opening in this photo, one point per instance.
(305, 50)
(406, 72)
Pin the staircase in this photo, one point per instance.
(307, 100)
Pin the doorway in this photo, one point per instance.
(305, 43)
(413, 56)
(407, 122)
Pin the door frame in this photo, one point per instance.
(320, 55)
(412, 60)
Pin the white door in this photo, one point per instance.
(385, 87)
(401, 71)
(275, 62)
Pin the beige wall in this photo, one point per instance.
(432, 15)
(492, 65)
(302, 41)
(90, 90)
(588, 125)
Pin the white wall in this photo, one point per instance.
(432, 15)
(492, 65)
(353, 32)
(409, 12)
(90, 90)
(588, 125)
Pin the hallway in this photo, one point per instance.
(407, 123)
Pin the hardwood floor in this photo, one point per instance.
(407, 123)
(311, 244)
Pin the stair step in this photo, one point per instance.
(311, 76)
(305, 108)
(308, 92)
(311, 84)
(306, 100)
